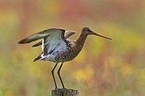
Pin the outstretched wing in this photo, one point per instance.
(53, 41)
(42, 34)
(66, 36)
(37, 44)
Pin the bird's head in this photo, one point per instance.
(89, 31)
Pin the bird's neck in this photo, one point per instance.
(81, 39)
(78, 44)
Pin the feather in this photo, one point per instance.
(66, 36)
(40, 35)
(38, 58)
(37, 44)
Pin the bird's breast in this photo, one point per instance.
(68, 54)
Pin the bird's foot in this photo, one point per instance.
(60, 88)
(64, 88)
(56, 88)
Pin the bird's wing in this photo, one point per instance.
(37, 44)
(66, 35)
(42, 34)
(53, 41)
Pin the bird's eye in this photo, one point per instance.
(89, 30)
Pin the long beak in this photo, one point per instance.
(94, 33)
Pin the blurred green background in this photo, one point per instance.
(103, 68)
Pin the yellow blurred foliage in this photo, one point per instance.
(83, 74)
(51, 6)
(126, 69)
(9, 93)
(142, 73)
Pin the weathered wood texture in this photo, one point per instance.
(65, 92)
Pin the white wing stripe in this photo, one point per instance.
(42, 44)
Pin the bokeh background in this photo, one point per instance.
(103, 67)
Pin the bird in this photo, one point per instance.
(56, 47)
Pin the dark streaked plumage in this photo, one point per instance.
(56, 46)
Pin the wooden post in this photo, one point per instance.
(65, 92)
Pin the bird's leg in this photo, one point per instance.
(53, 75)
(58, 72)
